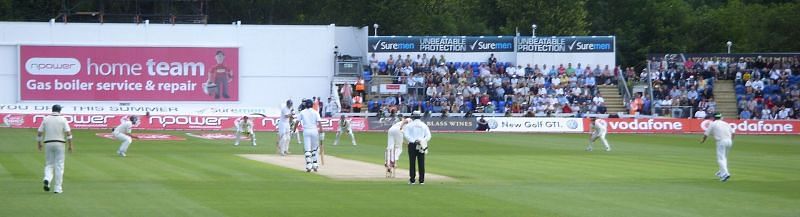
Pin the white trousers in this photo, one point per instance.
(311, 147)
(341, 131)
(394, 146)
(723, 147)
(54, 164)
(602, 137)
(239, 136)
(126, 141)
(284, 138)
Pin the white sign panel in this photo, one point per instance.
(393, 89)
(552, 125)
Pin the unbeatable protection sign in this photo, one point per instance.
(441, 44)
(570, 44)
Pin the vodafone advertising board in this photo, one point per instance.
(671, 125)
(165, 122)
(102, 73)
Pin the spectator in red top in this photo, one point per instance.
(484, 99)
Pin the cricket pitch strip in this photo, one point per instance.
(342, 169)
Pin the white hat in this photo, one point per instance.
(416, 113)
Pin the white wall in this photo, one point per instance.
(8, 74)
(276, 62)
(352, 41)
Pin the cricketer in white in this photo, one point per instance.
(123, 133)
(723, 133)
(244, 126)
(310, 120)
(344, 126)
(284, 128)
(54, 133)
(599, 129)
(394, 147)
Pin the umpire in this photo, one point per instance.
(417, 134)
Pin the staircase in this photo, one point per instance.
(725, 96)
(614, 100)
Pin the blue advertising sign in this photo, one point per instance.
(441, 44)
(568, 44)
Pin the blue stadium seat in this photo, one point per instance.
(457, 65)
(371, 105)
(739, 89)
(501, 104)
(367, 75)
(475, 65)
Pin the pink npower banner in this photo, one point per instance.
(104, 73)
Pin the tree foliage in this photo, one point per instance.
(641, 27)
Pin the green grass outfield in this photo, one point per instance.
(498, 175)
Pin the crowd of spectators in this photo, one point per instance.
(768, 90)
(436, 85)
(765, 88)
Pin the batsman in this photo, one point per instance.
(311, 122)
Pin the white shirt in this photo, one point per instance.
(721, 131)
(333, 107)
(124, 127)
(397, 126)
(599, 126)
(784, 114)
(416, 130)
(597, 100)
(309, 119)
(285, 112)
(54, 127)
(511, 70)
(700, 114)
(343, 125)
(245, 126)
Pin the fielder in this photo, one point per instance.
(312, 126)
(52, 133)
(344, 126)
(284, 127)
(599, 130)
(293, 123)
(394, 146)
(123, 133)
(244, 126)
(723, 134)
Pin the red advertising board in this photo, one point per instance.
(165, 122)
(671, 125)
(98, 73)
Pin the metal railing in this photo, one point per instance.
(674, 111)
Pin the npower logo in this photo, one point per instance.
(166, 121)
(52, 66)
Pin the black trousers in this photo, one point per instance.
(413, 157)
